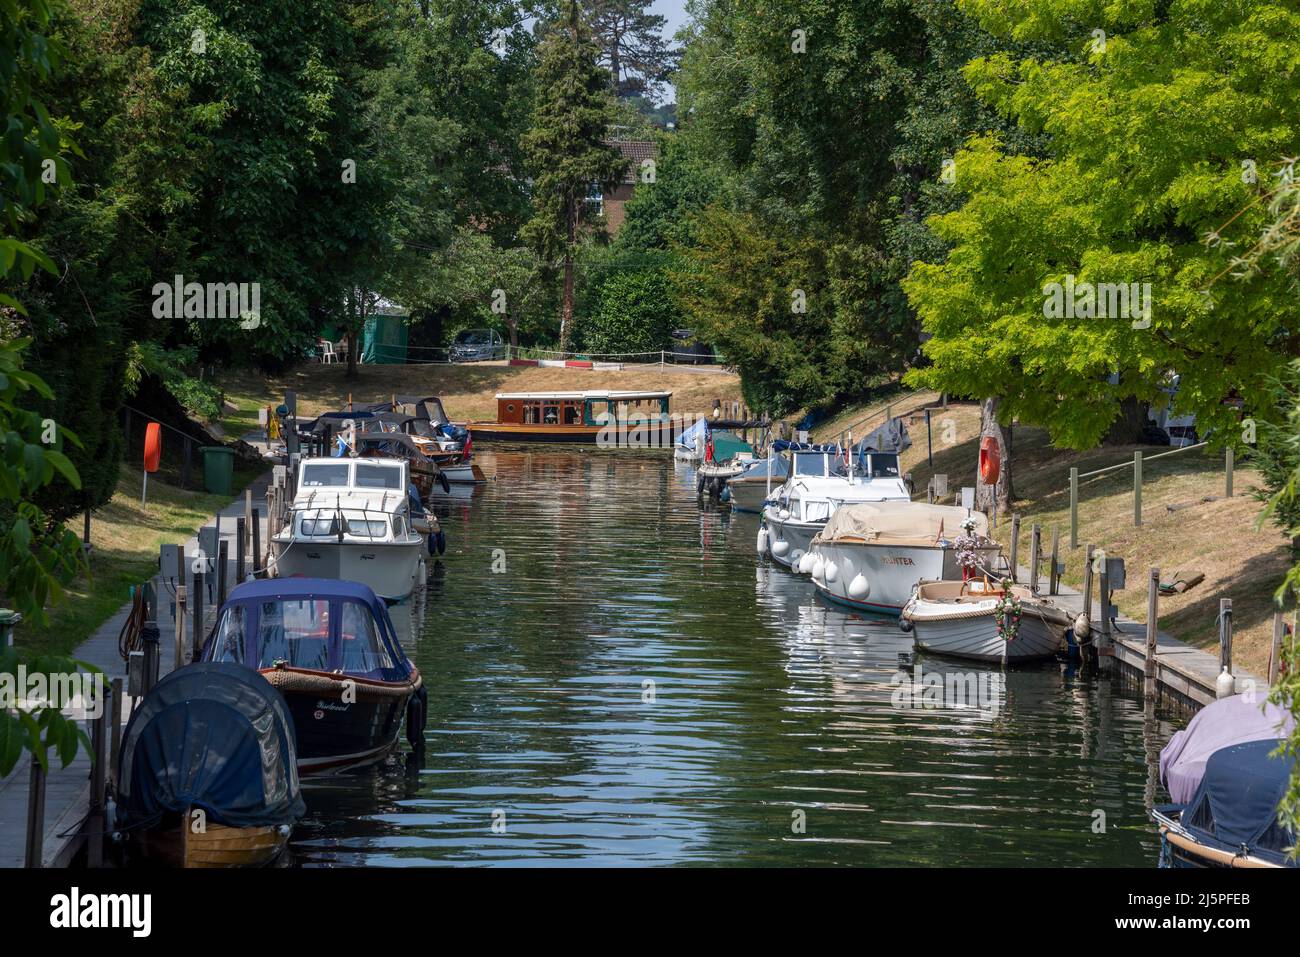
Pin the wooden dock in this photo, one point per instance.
(67, 790)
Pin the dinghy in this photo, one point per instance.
(960, 619)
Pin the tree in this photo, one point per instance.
(633, 312)
(1078, 280)
(632, 46)
(493, 284)
(566, 148)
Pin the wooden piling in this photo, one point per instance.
(115, 730)
(1229, 459)
(1225, 634)
(223, 559)
(256, 527)
(182, 603)
(248, 523)
(1014, 557)
(98, 783)
(1035, 548)
(196, 605)
(35, 815)
(1054, 573)
(1149, 689)
(241, 549)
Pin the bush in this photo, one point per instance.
(633, 311)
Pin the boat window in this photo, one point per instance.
(366, 527)
(572, 413)
(230, 636)
(809, 463)
(295, 632)
(399, 526)
(320, 474)
(378, 476)
(532, 413)
(880, 464)
(319, 524)
(599, 412)
(359, 644)
(551, 414)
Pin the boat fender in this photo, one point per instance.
(783, 513)
(806, 560)
(859, 587)
(818, 568)
(417, 714)
(831, 572)
(905, 625)
(1082, 629)
(725, 496)
(780, 547)
(1225, 686)
(761, 546)
(440, 540)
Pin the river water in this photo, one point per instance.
(615, 680)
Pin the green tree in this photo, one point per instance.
(566, 148)
(634, 311)
(633, 48)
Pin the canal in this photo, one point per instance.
(614, 680)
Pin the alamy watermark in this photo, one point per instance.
(1103, 300)
(179, 299)
(941, 691)
(78, 694)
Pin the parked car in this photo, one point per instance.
(477, 345)
(687, 349)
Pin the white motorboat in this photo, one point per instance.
(870, 556)
(819, 484)
(351, 520)
(750, 489)
(959, 618)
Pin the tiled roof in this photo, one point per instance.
(634, 151)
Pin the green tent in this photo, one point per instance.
(385, 337)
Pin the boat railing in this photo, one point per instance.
(344, 517)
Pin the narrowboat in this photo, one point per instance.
(207, 774)
(330, 648)
(638, 420)
(1227, 781)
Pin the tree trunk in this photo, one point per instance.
(513, 325)
(566, 306)
(1130, 426)
(987, 496)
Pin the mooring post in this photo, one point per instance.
(1225, 634)
(1074, 506)
(223, 559)
(1229, 457)
(1137, 487)
(1105, 650)
(1087, 584)
(115, 730)
(35, 815)
(241, 549)
(258, 565)
(1015, 546)
(98, 781)
(248, 522)
(196, 609)
(182, 603)
(1035, 549)
(1153, 618)
(929, 443)
(1275, 649)
(1054, 573)
(149, 645)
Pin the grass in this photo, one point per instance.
(467, 391)
(125, 539)
(1222, 539)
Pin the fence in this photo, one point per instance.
(179, 458)
(441, 355)
(1138, 464)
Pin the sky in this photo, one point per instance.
(674, 10)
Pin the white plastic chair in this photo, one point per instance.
(327, 353)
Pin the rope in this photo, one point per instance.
(128, 639)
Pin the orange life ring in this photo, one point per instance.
(990, 460)
(152, 446)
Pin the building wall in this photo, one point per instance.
(614, 203)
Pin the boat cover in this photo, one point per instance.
(1235, 806)
(889, 436)
(1226, 722)
(213, 736)
(758, 469)
(899, 523)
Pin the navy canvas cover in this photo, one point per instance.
(1236, 803)
(213, 736)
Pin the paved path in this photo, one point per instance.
(67, 790)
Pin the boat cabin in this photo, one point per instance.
(594, 409)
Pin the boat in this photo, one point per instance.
(607, 419)
(820, 482)
(330, 648)
(351, 520)
(207, 774)
(1226, 781)
(959, 619)
(749, 490)
(380, 439)
(425, 420)
(871, 555)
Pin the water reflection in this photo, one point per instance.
(630, 687)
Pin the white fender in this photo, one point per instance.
(762, 540)
(831, 572)
(780, 547)
(818, 568)
(806, 563)
(859, 588)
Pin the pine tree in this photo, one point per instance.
(565, 146)
(633, 47)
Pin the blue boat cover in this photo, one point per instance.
(1236, 805)
(212, 736)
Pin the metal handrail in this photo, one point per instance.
(1149, 458)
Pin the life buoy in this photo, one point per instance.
(990, 460)
(152, 446)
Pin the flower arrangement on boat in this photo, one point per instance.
(1007, 612)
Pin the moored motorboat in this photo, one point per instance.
(961, 619)
(821, 482)
(871, 555)
(750, 489)
(351, 520)
(330, 648)
(1227, 777)
(207, 774)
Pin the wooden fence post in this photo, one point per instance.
(1087, 583)
(1074, 506)
(35, 815)
(1015, 546)
(1035, 550)
(1225, 634)
(182, 604)
(1054, 574)
(1229, 459)
(1149, 689)
(1137, 487)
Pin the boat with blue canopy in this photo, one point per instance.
(331, 649)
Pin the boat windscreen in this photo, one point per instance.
(295, 632)
(370, 528)
(378, 476)
(809, 463)
(322, 474)
(360, 649)
(878, 464)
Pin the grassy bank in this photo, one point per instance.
(1219, 538)
(467, 391)
(125, 538)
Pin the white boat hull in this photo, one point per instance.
(788, 539)
(390, 569)
(749, 495)
(973, 632)
(889, 572)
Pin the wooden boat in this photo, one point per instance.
(1227, 780)
(958, 618)
(607, 419)
(448, 445)
(330, 648)
(208, 774)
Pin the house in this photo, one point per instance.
(611, 202)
